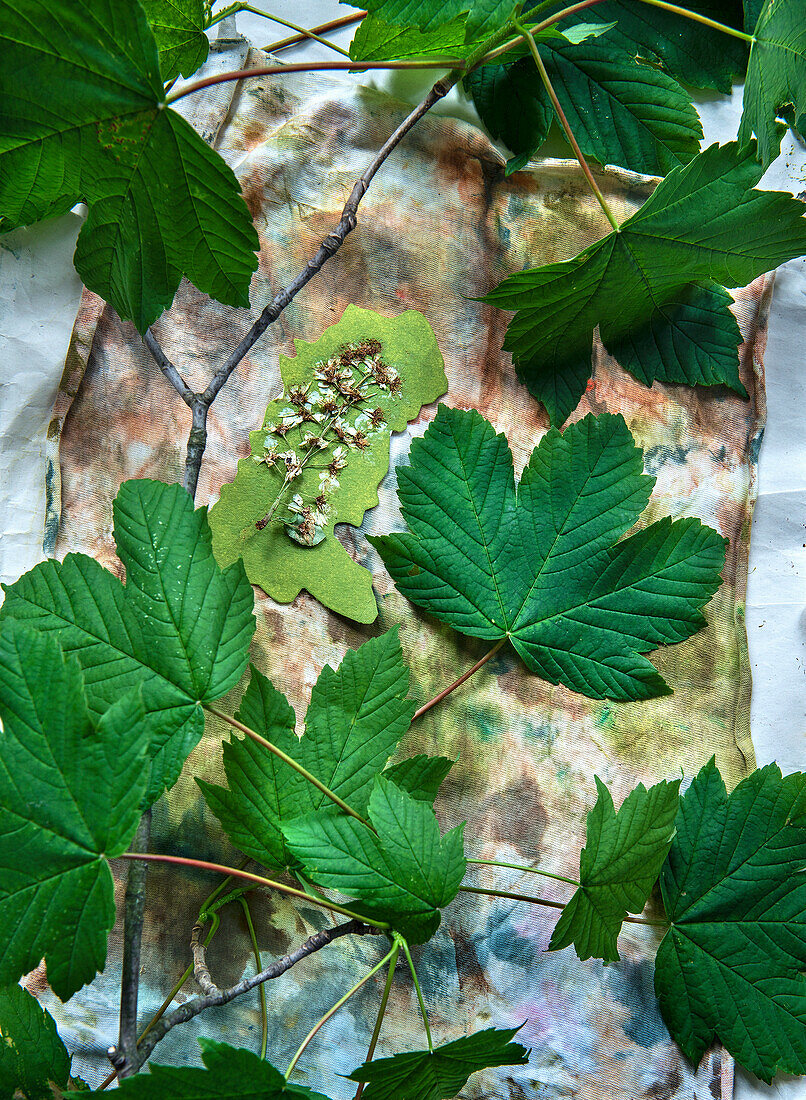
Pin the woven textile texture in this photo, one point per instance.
(440, 226)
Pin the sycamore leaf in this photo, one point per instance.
(375, 40)
(484, 17)
(541, 564)
(228, 1073)
(691, 52)
(703, 222)
(621, 112)
(178, 27)
(70, 793)
(441, 1073)
(421, 776)
(342, 475)
(776, 77)
(618, 867)
(85, 119)
(32, 1056)
(731, 966)
(355, 720)
(180, 628)
(403, 873)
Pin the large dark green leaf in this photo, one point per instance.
(180, 628)
(618, 867)
(440, 1073)
(32, 1056)
(484, 17)
(178, 27)
(355, 720)
(776, 77)
(70, 793)
(731, 966)
(84, 118)
(703, 222)
(541, 565)
(620, 111)
(404, 872)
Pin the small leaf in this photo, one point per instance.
(282, 567)
(32, 1056)
(776, 77)
(541, 565)
(703, 222)
(731, 966)
(70, 793)
(229, 1073)
(180, 628)
(441, 1073)
(617, 867)
(403, 873)
(355, 720)
(421, 776)
(178, 27)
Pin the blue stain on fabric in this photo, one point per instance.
(632, 985)
(502, 941)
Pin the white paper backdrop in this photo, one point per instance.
(39, 294)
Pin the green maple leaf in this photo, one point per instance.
(85, 119)
(621, 112)
(70, 793)
(421, 776)
(404, 872)
(776, 77)
(32, 1056)
(375, 40)
(178, 27)
(281, 566)
(704, 221)
(731, 966)
(484, 17)
(693, 53)
(618, 867)
(440, 1073)
(355, 719)
(180, 628)
(228, 1073)
(541, 565)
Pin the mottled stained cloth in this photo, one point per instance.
(440, 225)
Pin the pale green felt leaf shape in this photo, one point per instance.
(731, 966)
(704, 221)
(178, 27)
(403, 873)
(228, 1073)
(355, 719)
(70, 794)
(540, 565)
(280, 566)
(84, 113)
(180, 627)
(618, 867)
(776, 77)
(441, 1073)
(31, 1052)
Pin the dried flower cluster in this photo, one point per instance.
(326, 418)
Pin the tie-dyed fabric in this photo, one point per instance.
(440, 225)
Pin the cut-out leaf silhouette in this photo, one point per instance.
(258, 516)
(178, 27)
(731, 966)
(92, 126)
(703, 222)
(403, 873)
(70, 793)
(229, 1073)
(776, 77)
(440, 1073)
(32, 1056)
(356, 717)
(618, 867)
(541, 565)
(621, 111)
(180, 627)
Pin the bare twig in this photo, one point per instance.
(201, 971)
(323, 28)
(216, 997)
(133, 914)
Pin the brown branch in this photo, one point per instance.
(323, 28)
(216, 997)
(201, 971)
(133, 915)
